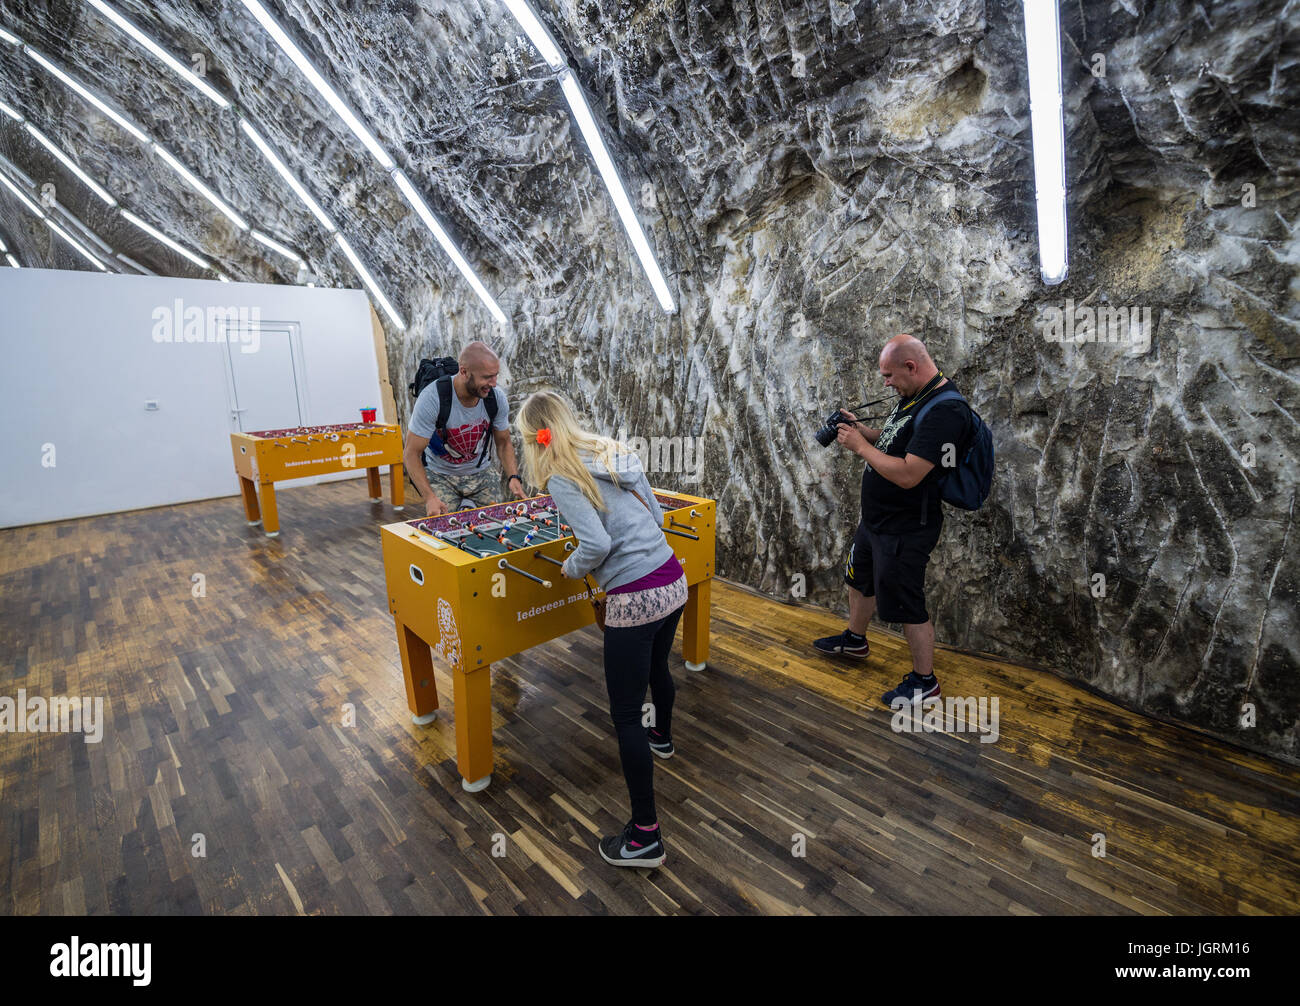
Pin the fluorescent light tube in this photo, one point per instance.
(605, 165)
(13, 261)
(135, 265)
(160, 236)
(12, 113)
(11, 39)
(70, 164)
(117, 117)
(536, 32)
(313, 76)
(3, 248)
(175, 65)
(87, 234)
(222, 276)
(276, 246)
(317, 81)
(287, 175)
(550, 51)
(1043, 47)
(22, 198)
(16, 172)
(85, 253)
(448, 246)
(199, 187)
(369, 281)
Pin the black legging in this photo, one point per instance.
(634, 657)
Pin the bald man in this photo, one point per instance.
(901, 512)
(458, 467)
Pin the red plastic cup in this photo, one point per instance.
(368, 415)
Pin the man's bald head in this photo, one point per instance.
(477, 354)
(905, 364)
(902, 348)
(479, 367)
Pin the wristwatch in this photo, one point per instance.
(521, 481)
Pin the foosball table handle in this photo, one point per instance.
(515, 569)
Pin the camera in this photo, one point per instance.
(830, 430)
(827, 434)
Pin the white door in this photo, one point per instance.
(267, 387)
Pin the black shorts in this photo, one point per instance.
(891, 568)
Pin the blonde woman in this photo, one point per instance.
(602, 492)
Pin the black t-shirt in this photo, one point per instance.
(889, 509)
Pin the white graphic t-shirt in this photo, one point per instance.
(466, 429)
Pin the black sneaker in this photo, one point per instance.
(660, 744)
(913, 690)
(844, 645)
(634, 848)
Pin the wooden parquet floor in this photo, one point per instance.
(226, 719)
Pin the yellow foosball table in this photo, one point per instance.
(478, 586)
(270, 456)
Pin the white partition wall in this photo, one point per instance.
(120, 392)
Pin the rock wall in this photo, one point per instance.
(816, 177)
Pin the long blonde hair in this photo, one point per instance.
(546, 410)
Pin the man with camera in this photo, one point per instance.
(901, 511)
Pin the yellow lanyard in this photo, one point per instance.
(939, 377)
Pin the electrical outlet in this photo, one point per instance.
(151, 405)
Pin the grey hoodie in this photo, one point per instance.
(625, 541)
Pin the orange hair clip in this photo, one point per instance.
(544, 436)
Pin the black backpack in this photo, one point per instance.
(967, 485)
(429, 371)
(442, 370)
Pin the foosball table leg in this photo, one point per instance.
(474, 728)
(417, 668)
(695, 626)
(397, 486)
(270, 513)
(372, 483)
(248, 490)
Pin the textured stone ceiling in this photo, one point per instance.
(814, 176)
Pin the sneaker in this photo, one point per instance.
(660, 744)
(844, 645)
(913, 690)
(634, 848)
